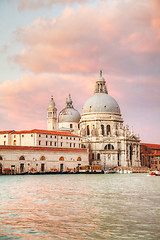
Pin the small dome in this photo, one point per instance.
(101, 102)
(69, 114)
(52, 103)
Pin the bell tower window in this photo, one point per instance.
(49, 114)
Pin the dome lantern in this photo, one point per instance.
(100, 85)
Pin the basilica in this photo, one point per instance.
(101, 128)
(96, 137)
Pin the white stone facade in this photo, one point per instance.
(40, 159)
(42, 138)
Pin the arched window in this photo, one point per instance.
(79, 159)
(102, 129)
(1, 158)
(108, 129)
(98, 156)
(88, 130)
(109, 147)
(43, 158)
(92, 155)
(14, 142)
(61, 158)
(22, 158)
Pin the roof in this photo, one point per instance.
(6, 132)
(46, 132)
(154, 154)
(47, 149)
(150, 145)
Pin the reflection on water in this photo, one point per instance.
(80, 207)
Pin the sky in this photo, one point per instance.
(56, 47)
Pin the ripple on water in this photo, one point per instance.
(80, 207)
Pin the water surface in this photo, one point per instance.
(80, 207)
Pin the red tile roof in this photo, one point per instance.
(46, 132)
(6, 132)
(152, 146)
(49, 149)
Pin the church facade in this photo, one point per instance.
(109, 142)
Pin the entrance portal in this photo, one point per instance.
(21, 167)
(61, 167)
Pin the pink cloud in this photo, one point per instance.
(118, 38)
(33, 5)
(66, 54)
(23, 102)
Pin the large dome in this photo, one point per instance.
(101, 102)
(69, 114)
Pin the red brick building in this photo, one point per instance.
(150, 155)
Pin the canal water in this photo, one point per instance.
(91, 206)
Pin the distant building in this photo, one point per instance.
(40, 151)
(150, 155)
(98, 133)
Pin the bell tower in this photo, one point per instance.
(51, 115)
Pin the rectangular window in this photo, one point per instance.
(39, 135)
(31, 135)
(55, 136)
(61, 137)
(46, 143)
(51, 136)
(70, 144)
(14, 136)
(74, 139)
(74, 144)
(4, 142)
(46, 136)
(22, 135)
(4, 136)
(66, 137)
(50, 143)
(55, 144)
(39, 142)
(61, 144)
(155, 162)
(71, 125)
(70, 138)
